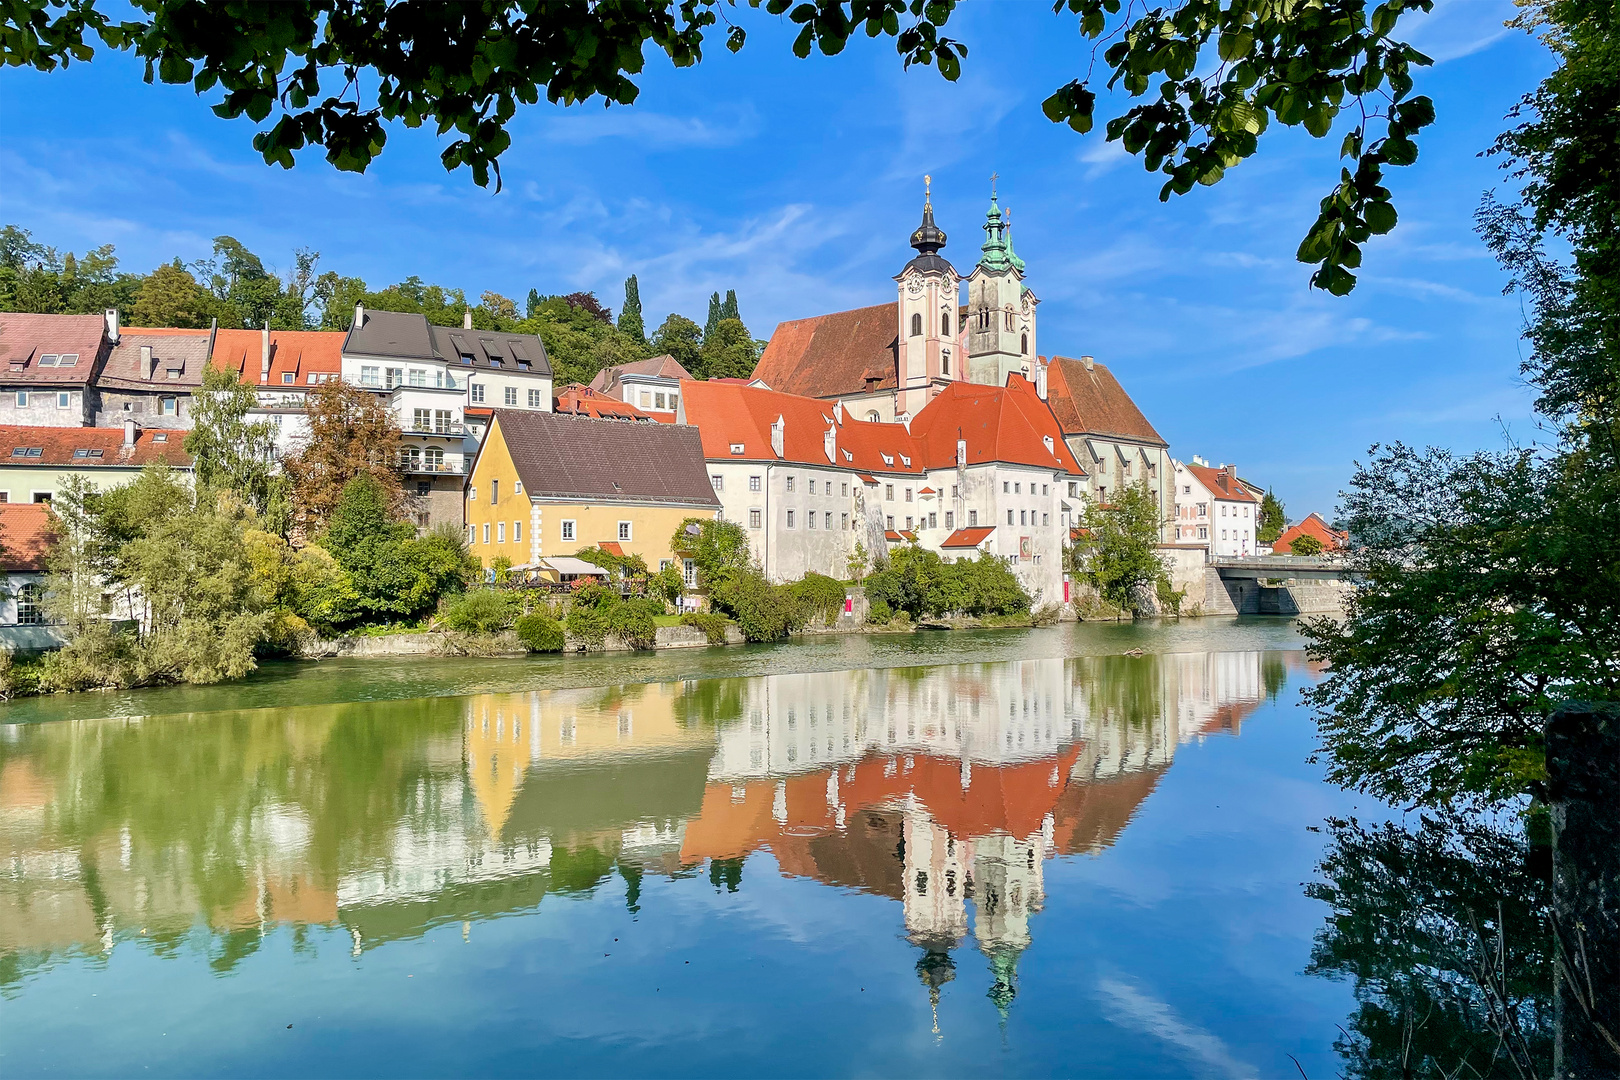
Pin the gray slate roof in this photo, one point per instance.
(403, 336)
(560, 455)
(186, 351)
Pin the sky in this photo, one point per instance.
(798, 182)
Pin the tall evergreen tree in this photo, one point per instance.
(533, 305)
(714, 314)
(728, 310)
(1273, 519)
(630, 314)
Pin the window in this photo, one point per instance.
(658, 401)
(909, 525)
(646, 399)
(1046, 519)
(843, 521)
(1203, 509)
(421, 419)
(517, 487)
(22, 399)
(286, 378)
(1021, 520)
(494, 492)
(843, 490)
(441, 422)
(568, 529)
(624, 530)
(433, 458)
(476, 391)
(534, 399)
(826, 519)
(1045, 489)
(472, 534)
(811, 523)
(689, 573)
(674, 400)
(170, 405)
(950, 519)
(472, 493)
(418, 377)
(1018, 489)
(486, 532)
(933, 521)
(369, 376)
(410, 458)
(500, 532)
(48, 360)
(1223, 509)
(30, 606)
(888, 492)
(908, 494)
(872, 416)
(1009, 517)
(509, 397)
(1074, 489)
(790, 483)
(753, 519)
(62, 400)
(812, 486)
(945, 325)
(424, 486)
(1223, 534)
(945, 363)
(888, 522)
(394, 376)
(790, 519)
(753, 483)
(1203, 532)
(718, 481)
(916, 325)
(1006, 487)
(1023, 344)
(973, 519)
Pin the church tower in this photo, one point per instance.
(1001, 309)
(928, 287)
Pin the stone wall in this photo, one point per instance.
(1247, 596)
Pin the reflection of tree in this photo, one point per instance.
(710, 701)
(1446, 932)
(1126, 690)
(1273, 674)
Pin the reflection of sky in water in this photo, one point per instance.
(869, 871)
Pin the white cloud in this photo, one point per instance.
(652, 130)
(1130, 1007)
(1459, 28)
(1101, 157)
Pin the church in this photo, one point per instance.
(886, 362)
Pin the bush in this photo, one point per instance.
(1307, 545)
(712, 625)
(482, 611)
(763, 612)
(818, 596)
(916, 582)
(632, 622)
(1046, 614)
(879, 613)
(540, 632)
(587, 624)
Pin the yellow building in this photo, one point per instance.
(547, 484)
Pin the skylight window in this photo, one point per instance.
(67, 359)
(161, 436)
(48, 360)
(19, 451)
(36, 451)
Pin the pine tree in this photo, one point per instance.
(1273, 520)
(630, 314)
(728, 310)
(534, 303)
(714, 314)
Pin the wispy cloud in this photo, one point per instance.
(1130, 1007)
(1459, 28)
(653, 130)
(1101, 157)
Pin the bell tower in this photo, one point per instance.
(1001, 309)
(928, 287)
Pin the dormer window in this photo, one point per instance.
(848, 456)
(494, 361)
(905, 461)
(887, 460)
(467, 358)
(737, 448)
(1047, 439)
(287, 378)
(48, 360)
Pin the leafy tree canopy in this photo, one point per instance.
(1273, 519)
(1206, 79)
(1118, 546)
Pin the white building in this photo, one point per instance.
(653, 385)
(1213, 506)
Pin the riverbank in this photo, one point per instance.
(284, 683)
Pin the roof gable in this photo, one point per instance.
(1009, 424)
(559, 455)
(299, 353)
(1090, 401)
(1223, 483)
(734, 415)
(28, 339)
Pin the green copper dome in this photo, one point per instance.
(997, 255)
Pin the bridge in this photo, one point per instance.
(1285, 567)
(1276, 584)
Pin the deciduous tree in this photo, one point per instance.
(351, 433)
(230, 452)
(1118, 546)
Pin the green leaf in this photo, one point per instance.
(1380, 217)
(1236, 46)
(1400, 151)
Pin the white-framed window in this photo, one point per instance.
(909, 525)
(1046, 519)
(658, 401)
(689, 573)
(476, 391)
(569, 527)
(790, 519)
(442, 421)
(718, 481)
(754, 519)
(22, 399)
(370, 375)
(624, 530)
(170, 406)
(826, 519)
(63, 399)
(950, 519)
(472, 534)
(486, 532)
(908, 494)
(1009, 517)
(534, 399)
(888, 521)
(517, 487)
(933, 521)
(418, 377)
(811, 523)
(674, 400)
(843, 522)
(31, 604)
(753, 483)
(394, 376)
(843, 490)
(1021, 519)
(421, 419)
(665, 564)
(494, 492)
(287, 378)
(509, 397)
(1006, 487)
(517, 532)
(973, 519)
(1045, 490)
(500, 532)
(888, 493)
(1018, 489)
(1074, 489)
(790, 483)
(1203, 532)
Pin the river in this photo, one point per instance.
(1001, 852)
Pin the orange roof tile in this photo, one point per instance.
(89, 447)
(584, 401)
(967, 538)
(1313, 525)
(27, 531)
(1090, 401)
(300, 353)
(731, 415)
(828, 356)
(1223, 483)
(1008, 424)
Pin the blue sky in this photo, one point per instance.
(798, 182)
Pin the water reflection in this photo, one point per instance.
(946, 789)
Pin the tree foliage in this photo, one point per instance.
(351, 433)
(232, 453)
(1273, 519)
(630, 312)
(1306, 545)
(918, 582)
(1118, 547)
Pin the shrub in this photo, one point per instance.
(1170, 598)
(879, 612)
(1306, 545)
(587, 624)
(482, 611)
(540, 632)
(713, 625)
(764, 612)
(818, 596)
(1046, 614)
(632, 621)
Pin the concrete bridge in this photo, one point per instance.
(1285, 567)
(1276, 585)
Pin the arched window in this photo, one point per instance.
(1009, 320)
(916, 325)
(873, 417)
(945, 325)
(30, 604)
(1023, 344)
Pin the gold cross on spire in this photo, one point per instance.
(993, 184)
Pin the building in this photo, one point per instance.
(889, 360)
(150, 377)
(546, 484)
(442, 383)
(1214, 507)
(1330, 538)
(583, 401)
(1108, 434)
(26, 535)
(284, 365)
(979, 469)
(653, 386)
(35, 461)
(50, 364)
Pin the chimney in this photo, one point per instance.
(466, 318)
(961, 453)
(359, 316)
(112, 325)
(264, 355)
(131, 429)
(1089, 361)
(148, 365)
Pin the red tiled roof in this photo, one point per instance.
(183, 350)
(967, 538)
(584, 401)
(299, 352)
(927, 491)
(867, 479)
(730, 415)
(828, 356)
(1223, 483)
(27, 532)
(1005, 424)
(661, 367)
(26, 338)
(1313, 525)
(892, 537)
(612, 548)
(1092, 402)
(104, 447)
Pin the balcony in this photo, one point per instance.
(432, 468)
(450, 429)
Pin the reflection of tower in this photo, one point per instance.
(935, 882)
(935, 968)
(1010, 880)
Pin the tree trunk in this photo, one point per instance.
(1583, 784)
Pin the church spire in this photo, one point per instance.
(928, 238)
(995, 252)
(1012, 256)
